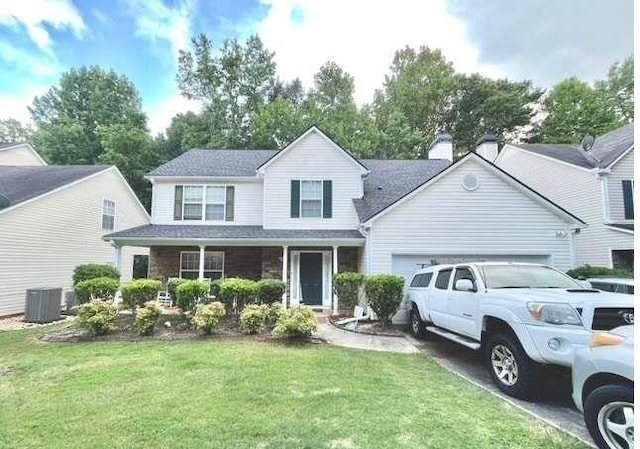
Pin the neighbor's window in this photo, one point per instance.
(190, 264)
(311, 199)
(108, 215)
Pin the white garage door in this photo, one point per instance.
(406, 265)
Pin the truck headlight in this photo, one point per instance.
(554, 313)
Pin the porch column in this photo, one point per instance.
(285, 259)
(335, 271)
(201, 265)
(118, 258)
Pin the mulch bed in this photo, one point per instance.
(369, 327)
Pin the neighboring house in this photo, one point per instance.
(15, 153)
(597, 186)
(52, 218)
(310, 210)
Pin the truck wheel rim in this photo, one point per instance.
(504, 365)
(615, 422)
(415, 326)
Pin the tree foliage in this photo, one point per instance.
(12, 130)
(617, 90)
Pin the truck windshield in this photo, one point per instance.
(526, 276)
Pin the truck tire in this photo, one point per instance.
(510, 368)
(608, 414)
(416, 323)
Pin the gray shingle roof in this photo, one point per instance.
(19, 184)
(202, 162)
(8, 144)
(230, 232)
(390, 180)
(606, 149)
(627, 226)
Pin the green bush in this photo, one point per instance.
(190, 292)
(587, 271)
(270, 291)
(94, 270)
(214, 289)
(172, 285)
(208, 316)
(384, 294)
(147, 317)
(297, 322)
(99, 288)
(235, 293)
(253, 318)
(276, 310)
(98, 316)
(139, 291)
(347, 287)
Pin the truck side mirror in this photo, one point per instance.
(464, 285)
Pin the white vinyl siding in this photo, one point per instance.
(578, 191)
(312, 158)
(247, 203)
(445, 219)
(20, 155)
(622, 171)
(44, 240)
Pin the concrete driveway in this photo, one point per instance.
(553, 403)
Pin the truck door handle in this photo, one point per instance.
(467, 315)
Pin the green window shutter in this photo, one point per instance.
(295, 199)
(231, 193)
(177, 203)
(627, 196)
(327, 199)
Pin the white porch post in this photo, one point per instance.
(118, 259)
(335, 271)
(201, 265)
(285, 263)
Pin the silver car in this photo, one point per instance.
(603, 387)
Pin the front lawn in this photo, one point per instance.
(244, 394)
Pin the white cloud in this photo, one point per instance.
(100, 16)
(161, 112)
(33, 15)
(33, 65)
(362, 37)
(14, 103)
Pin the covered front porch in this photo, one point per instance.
(305, 260)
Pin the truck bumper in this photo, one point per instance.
(557, 345)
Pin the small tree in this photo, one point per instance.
(190, 293)
(98, 316)
(92, 271)
(347, 286)
(104, 288)
(208, 316)
(384, 293)
(236, 292)
(139, 291)
(270, 291)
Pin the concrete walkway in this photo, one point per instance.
(339, 337)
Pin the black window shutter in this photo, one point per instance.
(177, 203)
(327, 199)
(295, 199)
(627, 195)
(230, 203)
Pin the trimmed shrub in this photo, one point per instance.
(276, 310)
(235, 293)
(190, 293)
(172, 285)
(208, 316)
(94, 270)
(147, 317)
(384, 294)
(347, 286)
(98, 288)
(140, 291)
(587, 271)
(297, 322)
(253, 318)
(214, 289)
(270, 291)
(98, 316)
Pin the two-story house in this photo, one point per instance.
(596, 185)
(310, 210)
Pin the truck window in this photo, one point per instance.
(463, 273)
(442, 281)
(421, 280)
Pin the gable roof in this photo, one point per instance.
(222, 163)
(22, 183)
(5, 146)
(606, 150)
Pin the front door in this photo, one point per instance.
(311, 278)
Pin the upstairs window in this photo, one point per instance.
(192, 203)
(311, 199)
(215, 203)
(108, 215)
(627, 196)
(211, 203)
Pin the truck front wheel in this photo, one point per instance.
(511, 369)
(417, 324)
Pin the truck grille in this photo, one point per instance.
(605, 319)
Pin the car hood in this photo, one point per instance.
(624, 331)
(575, 297)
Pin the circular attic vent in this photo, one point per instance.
(470, 182)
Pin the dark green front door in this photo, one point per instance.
(311, 278)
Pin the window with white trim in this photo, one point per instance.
(215, 203)
(311, 199)
(204, 202)
(213, 264)
(108, 215)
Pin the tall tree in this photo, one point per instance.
(574, 109)
(12, 130)
(277, 124)
(617, 89)
(233, 84)
(186, 131)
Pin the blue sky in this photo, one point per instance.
(539, 39)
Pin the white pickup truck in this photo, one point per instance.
(519, 315)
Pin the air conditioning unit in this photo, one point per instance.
(43, 305)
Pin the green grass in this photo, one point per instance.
(244, 394)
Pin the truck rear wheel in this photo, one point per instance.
(511, 369)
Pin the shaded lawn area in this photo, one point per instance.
(245, 394)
